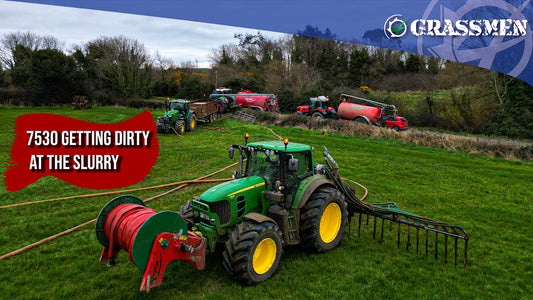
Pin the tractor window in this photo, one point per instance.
(177, 106)
(264, 165)
(304, 163)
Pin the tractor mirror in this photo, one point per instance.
(231, 152)
(293, 164)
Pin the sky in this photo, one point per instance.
(177, 40)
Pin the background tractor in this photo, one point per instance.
(279, 197)
(318, 108)
(182, 115)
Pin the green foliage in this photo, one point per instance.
(488, 197)
(413, 63)
(48, 76)
(516, 117)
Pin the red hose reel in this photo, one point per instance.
(153, 240)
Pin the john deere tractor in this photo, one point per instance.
(178, 117)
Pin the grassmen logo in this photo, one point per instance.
(395, 26)
(501, 27)
(492, 34)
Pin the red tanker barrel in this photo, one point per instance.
(351, 111)
(262, 102)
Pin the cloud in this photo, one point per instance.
(177, 40)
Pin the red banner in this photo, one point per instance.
(85, 154)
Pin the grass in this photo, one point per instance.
(489, 197)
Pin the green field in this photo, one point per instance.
(489, 197)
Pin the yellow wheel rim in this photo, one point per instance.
(193, 122)
(330, 222)
(264, 256)
(182, 127)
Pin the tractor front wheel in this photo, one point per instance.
(317, 116)
(323, 219)
(179, 126)
(191, 124)
(253, 251)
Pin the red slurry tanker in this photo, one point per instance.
(263, 102)
(379, 114)
(249, 99)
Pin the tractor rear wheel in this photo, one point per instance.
(253, 251)
(179, 126)
(191, 124)
(323, 219)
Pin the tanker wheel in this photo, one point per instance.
(253, 251)
(361, 120)
(317, 116)
(179, 126)
(323, 219)
(191, 124)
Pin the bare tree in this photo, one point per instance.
(30, 40)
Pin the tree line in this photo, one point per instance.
(39, 70)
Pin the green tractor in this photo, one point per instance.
(278, 197)
(178, 117)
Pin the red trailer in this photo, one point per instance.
(379, 114)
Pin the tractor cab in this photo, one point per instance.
(283, 166)
(180, 105)
(318, 102)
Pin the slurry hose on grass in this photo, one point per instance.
(197, 180)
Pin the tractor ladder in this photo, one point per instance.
(389, 211)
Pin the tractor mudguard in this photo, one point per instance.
(259, 218)
(307, 187)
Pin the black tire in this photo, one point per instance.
(317, 116)
(329, 236)
(225, 108)
(396, 128)
(361, 120)
(191, 122)
(241, 246)
(179, 126)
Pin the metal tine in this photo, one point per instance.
(455, 248)
(375, 220)
(367, 217)
(417, 238)
(427, 242)
(436, 244)
(359, 227)
(466, 252)
(408, 237)
(445, 246)
(382, 227)
(399, 230)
